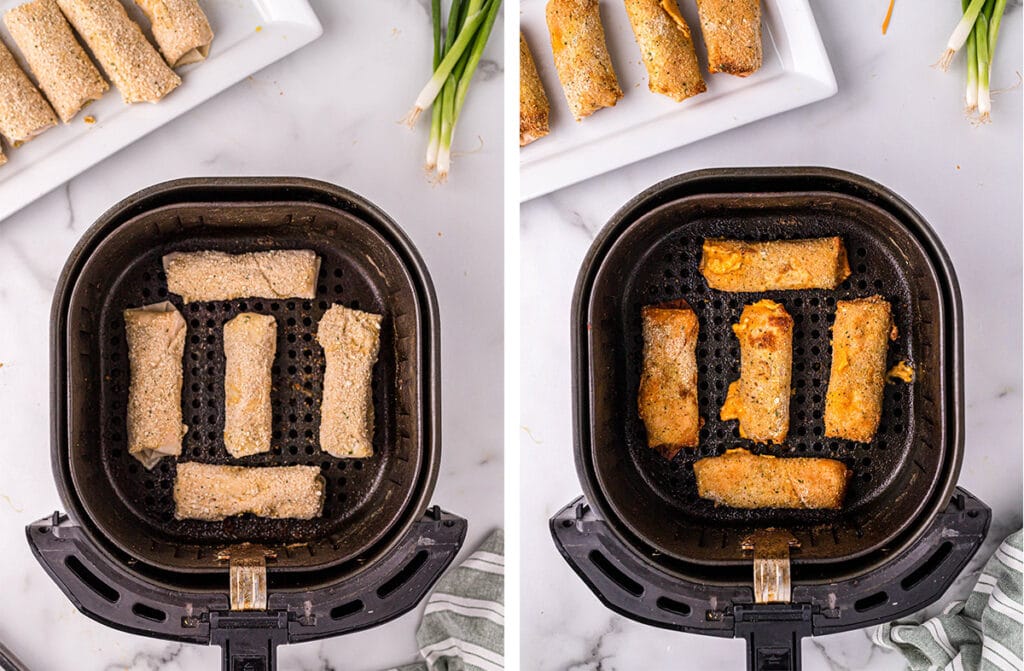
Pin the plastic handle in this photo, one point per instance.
(773, 632)
(248, 655)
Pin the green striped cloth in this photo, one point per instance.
(983, 633)
(463, 626)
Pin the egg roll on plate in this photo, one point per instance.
(732, 35)
(24, 112)
(666, 46)
(778, 265)
(739, 479)
(581, 56)
(534, 108)
(180, 29)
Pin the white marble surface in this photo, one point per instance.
(894, 120)
(328, 111)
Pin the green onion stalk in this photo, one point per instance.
(984, 96)
(971, 94)
(960, 33)
(435, 113)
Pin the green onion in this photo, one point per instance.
(435, 113)
(984, 96)
(960, 33)
(994, 19)
(971, 94)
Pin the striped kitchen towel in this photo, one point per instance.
(463, 626)
(983, 633)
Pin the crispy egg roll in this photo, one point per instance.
(860, 341)
(180, 29)
(581, 56)
(250, 343)
(212, 493)
(60, 65)
(24, 112)
(667, 48)
(668, 384)
(534, 108)
(156, 346)
(732, 35)
(759, 399)
(351, 342)
(741, 266)
(739, 479)
(217, 276)
(117, 42)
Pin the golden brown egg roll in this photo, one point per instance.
(217, 276)
(534, 108)
(180, 29)
(668, 384)
(250, 343)
(351, 342)
(212, 493)
(732, 35)
(667, 48)
(65, 74)
(24, 112)
(581, 56)
(860, 341)
(156, 346)
(759, 399)
(117, 42)
(778, 265)
(739, 479)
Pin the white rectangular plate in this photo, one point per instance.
(795, 72)
(249, 35)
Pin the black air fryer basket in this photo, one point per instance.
(119, 554)
(643, 540)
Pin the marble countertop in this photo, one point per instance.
(329, 111)
(894, 120)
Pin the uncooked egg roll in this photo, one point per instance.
(741, 266)
(581, 56)
(156, 345)
(60, 65)
(212, 493)
(24, 112)
(218, 276)
(668, 384)
(739, 479)
(117, 42)
(351, 342)
(732, 35)
(534, 108)
(759, 399)
(860, 341)
(180, 29)
(666, 46)
(250, 343)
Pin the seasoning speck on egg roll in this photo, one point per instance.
(778, 265)
(732, 35)
(117, 42)
(156, 346)
(759, 399)
(739, 479)
(180, 29)
(534, 108)
(667, 48)
(860, 342)
(212, 493)
(250, 343)
(351, 342)
(60, 65)
(24, 112)
(668, 384)
(218, 276)
(581, 56)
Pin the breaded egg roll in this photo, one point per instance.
(351, 342)
(180, 29)
(860, 341)
(24, 112)
(667, 48)
(250, 343)
(668, 384)
(217, 276)
(739, 479)
(741, 266)
(581, 56)
(117, 42)
(65, 74)
(732, 35)
(156, 346)
(534, 108)
(212, 493)
(759, 399)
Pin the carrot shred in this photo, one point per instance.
(888, 16)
